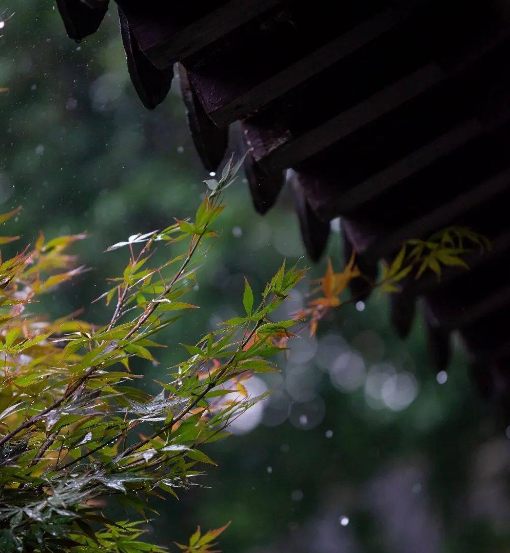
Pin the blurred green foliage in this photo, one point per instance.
(79, 152)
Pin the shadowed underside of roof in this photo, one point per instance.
(393, 115)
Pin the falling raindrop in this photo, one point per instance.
(442, 377)
(296, 495)
(71, 104)
(329, 433)
(306, 416)
(335, 225)
(344, 521)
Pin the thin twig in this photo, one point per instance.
(219, 374)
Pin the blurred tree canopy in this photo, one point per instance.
(361, 447)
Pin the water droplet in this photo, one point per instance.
(335, 225)
(329, 433)
(270, 470)
(360, 306)
(442, 377)
(237, 232)
(296, 495)
(416, 488)
(344, 521)
(71, 103)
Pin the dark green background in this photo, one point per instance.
(79, 152)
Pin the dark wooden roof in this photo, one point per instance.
(394, 115)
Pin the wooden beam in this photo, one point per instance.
(360, 171)
(81, 19)
(361, 287)
(210, 141)
(369, 189)
(495, 300)
(226, 97)
(264, 188)
(151, 84)
(315, 233)
(295, 150)
(95, 3)
(402, 310)
(489, 113)
(438, 339)
(286, 134)
(171, 31)
(469, 33)
(442, 215)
